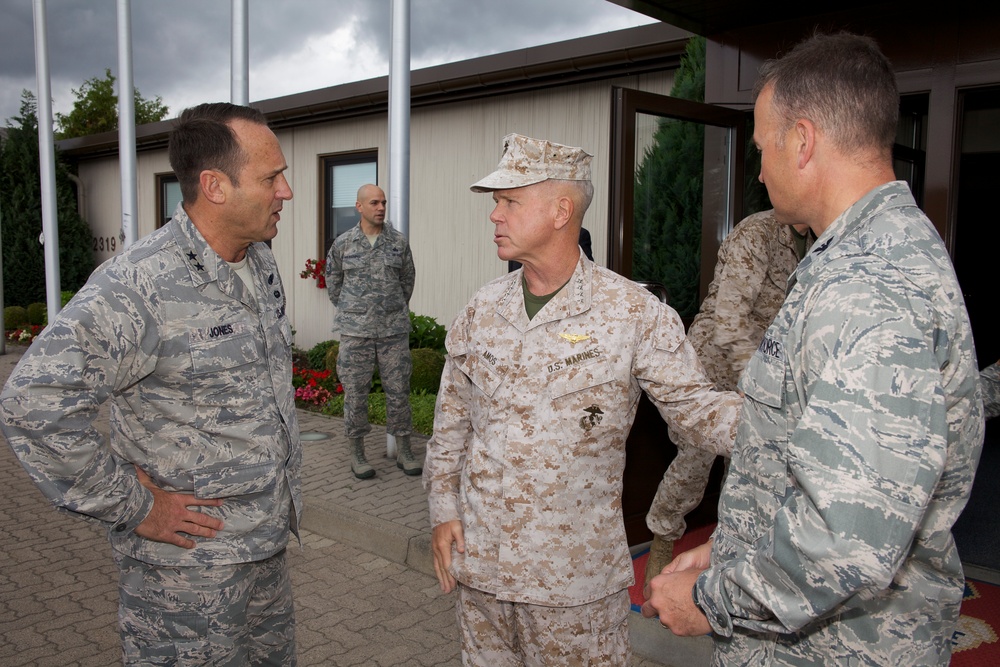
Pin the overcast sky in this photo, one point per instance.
(181, 50)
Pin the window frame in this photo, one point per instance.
(326, 163)
(162, 215)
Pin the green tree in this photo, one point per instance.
(668, 195)
(96, 109)
(20, 201)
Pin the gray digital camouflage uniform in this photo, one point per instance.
(747, 289)
(530, 426)
(990, 380)
(371, 288)
(199, 379)
(198, 374)
(862, 427)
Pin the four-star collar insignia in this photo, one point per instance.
(574, 338)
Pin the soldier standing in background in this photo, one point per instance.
(370, 277)
(544, 371)
(751, 275)
(862, 420)
(186, 334)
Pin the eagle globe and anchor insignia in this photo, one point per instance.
(592, 418)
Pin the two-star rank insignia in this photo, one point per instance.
(574, 338)
(194, 261)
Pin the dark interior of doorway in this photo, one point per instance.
(977, 237)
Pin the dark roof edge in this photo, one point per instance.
(635, 50)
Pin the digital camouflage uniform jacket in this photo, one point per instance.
(990, 378)
(861, 431)
(530, 427)
(748, 288)
(199, 379)
(370, 285)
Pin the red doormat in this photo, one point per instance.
(975, 642)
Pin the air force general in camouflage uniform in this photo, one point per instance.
(194, 354)
(747, 289)
(544, 371)
(862, 423)
(370, 277)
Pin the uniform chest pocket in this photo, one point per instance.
(354, 262)
(480, 372)
(762, 436)
(580, 377)
(764, 377)
(222, 348)
(393, 258)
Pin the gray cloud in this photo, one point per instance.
(181, 48)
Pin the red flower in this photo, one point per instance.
(315, 268)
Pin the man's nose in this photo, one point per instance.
(284, 189)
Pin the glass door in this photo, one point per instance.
(676, 190)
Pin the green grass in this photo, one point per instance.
(421, 403)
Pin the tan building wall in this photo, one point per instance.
(451, 146)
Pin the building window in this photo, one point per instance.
(909, 154)
(168, 195)
(343, 174)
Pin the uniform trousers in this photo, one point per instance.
(356, 359)
(680, 491)
(511, 634)
(219, 615)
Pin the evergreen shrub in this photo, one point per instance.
(317, 354)
(14, 317)
(427, 367)
(37, 313)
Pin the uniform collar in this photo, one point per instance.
(574, 298)
(894, 194)
(205, 265)
(359, 234)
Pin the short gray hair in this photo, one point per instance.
(841, 82)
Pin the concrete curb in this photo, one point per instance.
(389, 540)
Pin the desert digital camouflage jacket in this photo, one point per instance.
(370, 285)
(990, 379)
(530, 427)
(198, 374)
(861, 431)
(748, 288)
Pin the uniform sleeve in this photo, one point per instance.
(408, 275)
(739, 285)
(99, 344)
(863, 460)
(990, 380)
(447, 448)
(334, 274)
(668, 370)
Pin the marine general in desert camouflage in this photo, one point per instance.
(747, 289)
(186, 335)
(862, 423)
(543, 376)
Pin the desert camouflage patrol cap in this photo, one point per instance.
(526, 161)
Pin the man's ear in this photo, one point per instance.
(805, 138)
(214, 185)
(564, 211)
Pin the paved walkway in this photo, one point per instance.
(363, 592)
